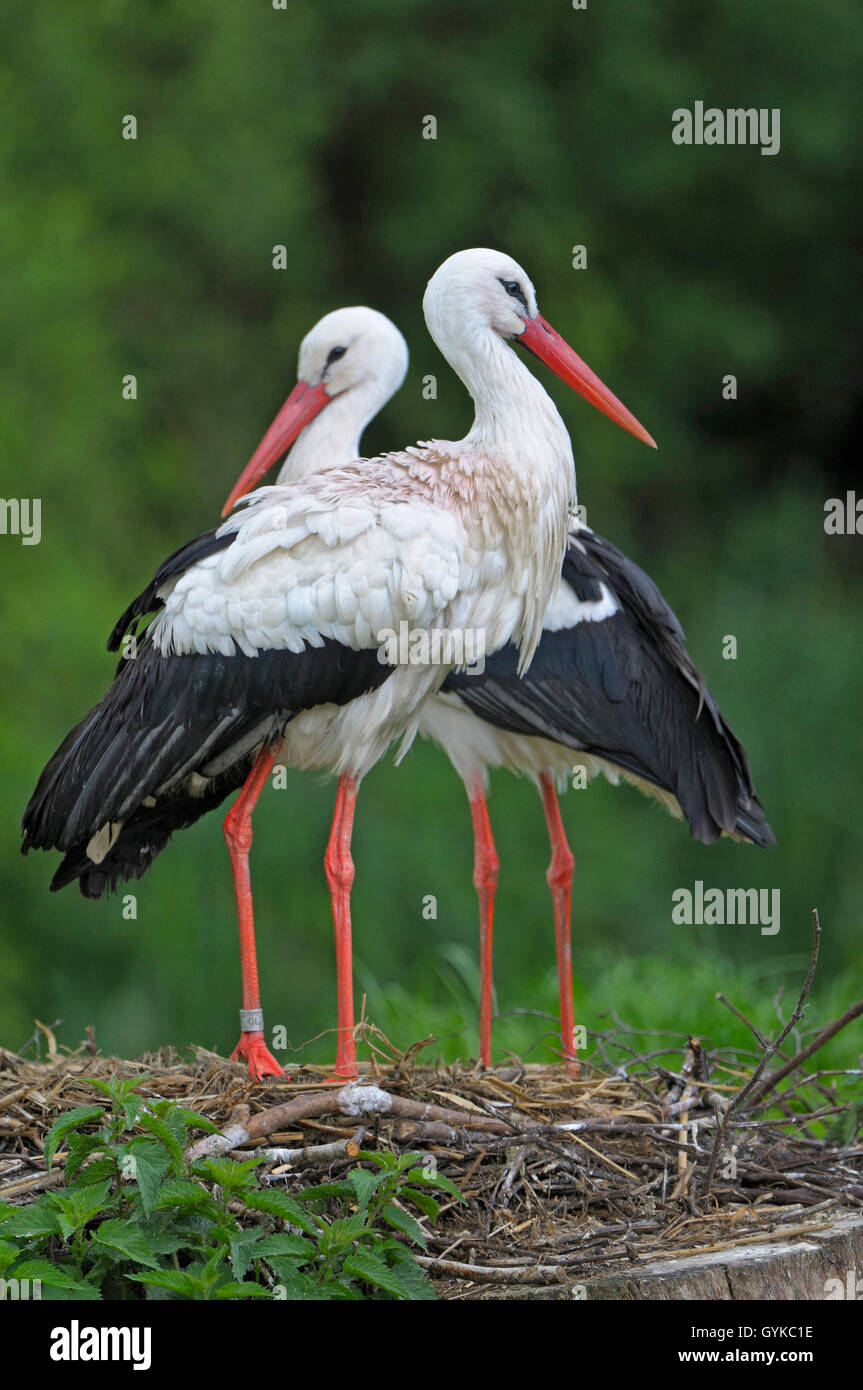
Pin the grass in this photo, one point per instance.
(648, 993)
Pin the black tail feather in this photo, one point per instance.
(167, 729)
(145, 835)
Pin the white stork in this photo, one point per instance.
(266, 637)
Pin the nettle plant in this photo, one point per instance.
(134, 1220)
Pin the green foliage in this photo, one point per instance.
(151, 1227)
(642, 989)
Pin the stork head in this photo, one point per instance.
(480, 293)
(354, 356)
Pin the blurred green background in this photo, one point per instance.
(303, 127)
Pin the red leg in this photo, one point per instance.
(339, 868)
(559, 877)
(237, 826)
(485, 873)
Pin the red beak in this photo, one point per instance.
(555, 352)
(302, 405)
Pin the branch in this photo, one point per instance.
(770, 1051)
(355, 1099)
(824, 1036)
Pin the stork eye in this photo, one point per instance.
(334, 354)
(514, 289)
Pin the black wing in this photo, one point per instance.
(172, 737)
(625, 689)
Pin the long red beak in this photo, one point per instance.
(302, 405)
(555, 352)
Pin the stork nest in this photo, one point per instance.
(648, 1150)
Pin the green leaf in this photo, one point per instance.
(153, 1124)
(374, 1271)
(9, 1251)
(122, 1088)
(419, 1175)
(346, 1230)
(402, 1220)
(326, 1191)
(281, 1205)
(242, 1251)
(424, 1200)
(80, 1147)
(295, 1286)
(174, 1281)
(173, 1116)
(192, 1120)
(101, 1170)
(364, 1184)
(81, 1115)
(404, 1161)
(233, 1177)
(78, 1205)
(132, 1107)
(56, 1276)
(150, 1162)
(39, 1219)
(7, 1210)
(184, 1194)
(384, 1158)
(127, 1239)
(415, 1279)
(167, 1240)
(104, 1086)
(242, 1290)
(343, 1290)
(284, 1244)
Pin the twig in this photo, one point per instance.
(313, 1154)
(824, 1036)
(769, 1051)
(509, 1274)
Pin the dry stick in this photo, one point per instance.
(840, 1023)
(507, 1274)
(12, 1096)
(354, 1099)
(769, 1051)
(278, 1117)
(348, 1147)
(33, 1184)
(298, 1158)
(824, 1036)
(710, 1097)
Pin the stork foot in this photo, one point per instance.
(346, 1067)
(252, 1049)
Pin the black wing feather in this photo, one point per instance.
(626, 690)
(165, 717)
